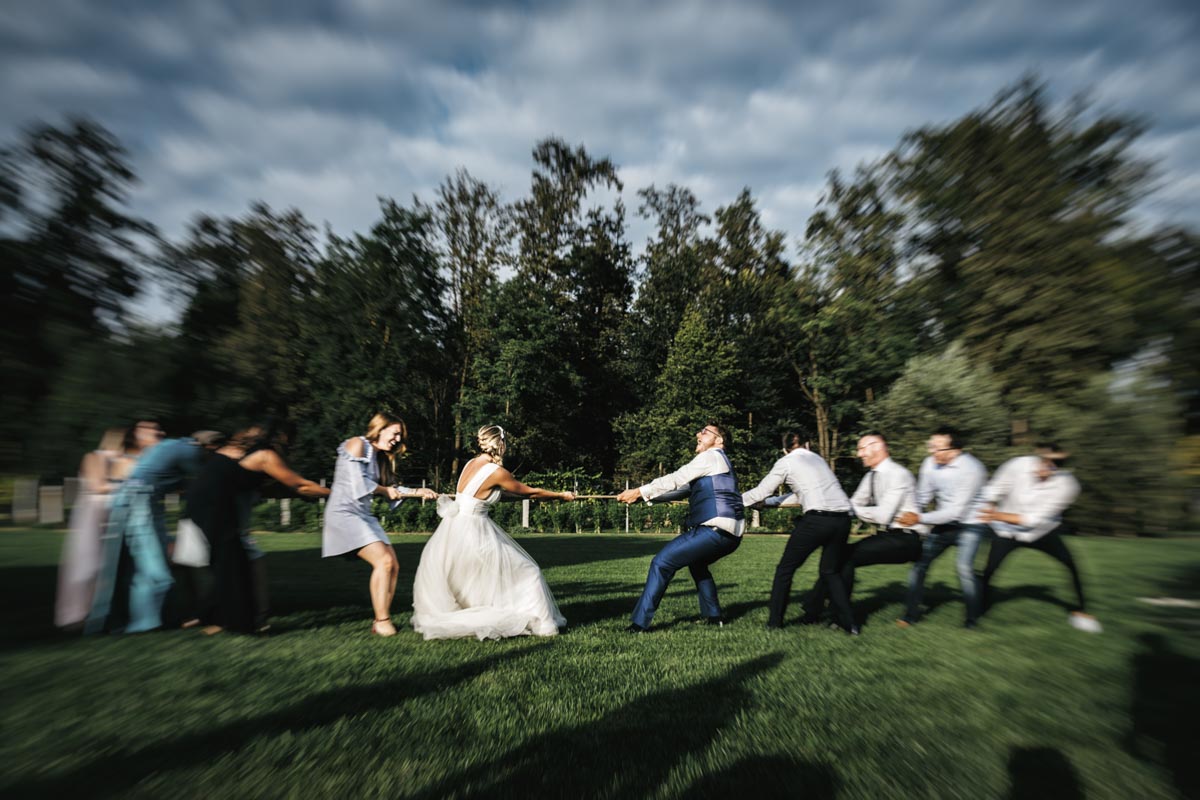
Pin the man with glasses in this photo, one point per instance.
(824, 524)
(955, 479)
(1025, 502)
(712, 530)
(886, 491)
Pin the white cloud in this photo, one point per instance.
(276, 63)
(52, 77)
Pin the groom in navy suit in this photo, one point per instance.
(712, 531)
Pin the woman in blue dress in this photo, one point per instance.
(366, 469)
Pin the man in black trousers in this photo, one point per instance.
(825, 524)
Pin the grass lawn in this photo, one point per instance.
(1023, 707)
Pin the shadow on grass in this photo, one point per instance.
(120, 771)
(27, 605)
(768, 778)
(1042, 773)
(1166, 702)
(627, 753)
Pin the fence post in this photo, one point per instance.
(25, 501)
(755, 520)
(71, 489)
(321, 501)
(285, 511)
(422, 486)
(50, 505)
(525, 513)
(627, 505)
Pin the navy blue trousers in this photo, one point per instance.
(695, 549)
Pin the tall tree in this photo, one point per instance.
(847, 323)
(576, 260)
(476, 235)
(71, 256)
(748, 276)
(676, 264)
(700, 381)
(1022, 207)
(373, 339)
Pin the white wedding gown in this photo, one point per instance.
(474, 580)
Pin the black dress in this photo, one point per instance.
(219, 502)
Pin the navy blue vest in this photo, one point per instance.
(714, 496)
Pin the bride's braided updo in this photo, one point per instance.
(490, 439)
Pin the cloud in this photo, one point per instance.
(277, 63)
(66, 78)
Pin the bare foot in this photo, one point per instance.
(211, 630)
(383, 627)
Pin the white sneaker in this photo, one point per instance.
(1085, 623)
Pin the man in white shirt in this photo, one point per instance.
(955, 479)
(886, 491)
(713, 528)
(824, 524)
(1025, 502)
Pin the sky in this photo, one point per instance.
(327, 106)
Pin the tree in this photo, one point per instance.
(373, 339)
(700, 381)
(1020, 208)
(847, 323)
(476, 236)
(71, 256)
(947, 388)
(675, 267)
(748, 276)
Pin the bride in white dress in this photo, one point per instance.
(473, 579)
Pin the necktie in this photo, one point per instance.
(871, 489)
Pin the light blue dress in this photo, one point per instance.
(349, 524)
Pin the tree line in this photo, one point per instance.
(985, 273)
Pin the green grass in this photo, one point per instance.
(1023, 707)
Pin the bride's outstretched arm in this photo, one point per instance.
(504, 479)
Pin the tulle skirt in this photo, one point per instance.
(81, 559)
(474, 580)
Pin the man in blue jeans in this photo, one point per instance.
(956, 480)
(713, 528)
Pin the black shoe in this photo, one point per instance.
(635, 628)
(717, 621)
(774, 626)
(971, 624)
(853, 630)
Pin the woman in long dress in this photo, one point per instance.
(100, 474)
(473, 579)
(219, 502)
(366, 469)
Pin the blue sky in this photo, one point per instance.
(325, 106)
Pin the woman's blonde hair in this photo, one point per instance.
(387, 461)
(113, 440)
(490, 439)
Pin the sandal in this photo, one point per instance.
(383, 627)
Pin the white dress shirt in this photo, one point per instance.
(957, 487)
(809, 478)
(711, 462)
(1016, 489)
(895, 491)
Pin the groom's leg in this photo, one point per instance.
(721, 544)
(678, 553)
